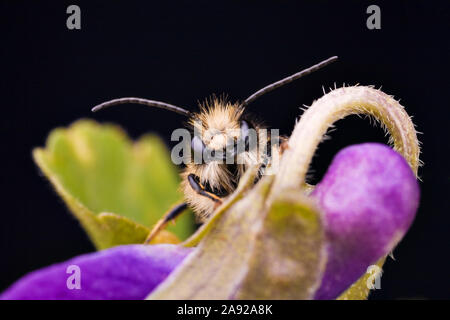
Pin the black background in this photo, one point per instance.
(182, 52)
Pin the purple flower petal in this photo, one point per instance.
(123, 272)
(369, 197)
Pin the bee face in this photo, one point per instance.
(221, 124)
(218, 122)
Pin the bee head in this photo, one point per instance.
(219, 127)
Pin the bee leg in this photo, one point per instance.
(161, 224)
(197, 187)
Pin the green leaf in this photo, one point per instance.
(254, 252)
(96, 169)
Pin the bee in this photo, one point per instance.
(223, 127)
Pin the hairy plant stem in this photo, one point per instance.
(337, 104)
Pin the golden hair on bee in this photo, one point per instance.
(222, 132)
(217, 113)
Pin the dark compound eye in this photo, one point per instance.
(232, 149)
(197, 145)
(245, 134)
(244, 130)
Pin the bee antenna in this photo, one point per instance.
(287, 80)
(145, 102)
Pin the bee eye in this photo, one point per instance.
(245, 128)
(197, 145)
